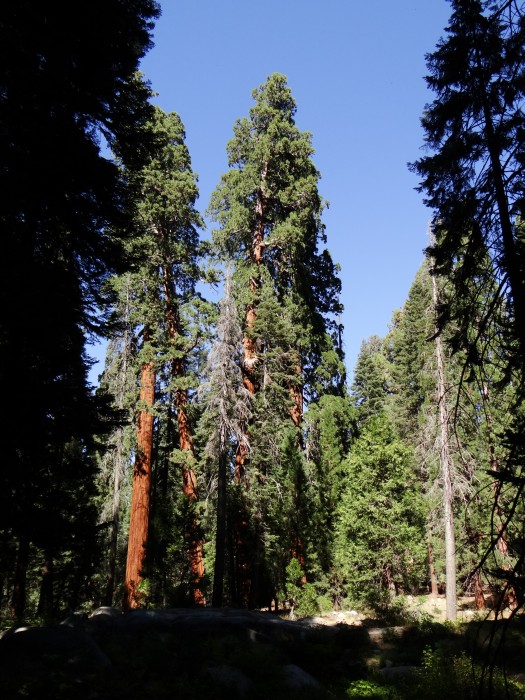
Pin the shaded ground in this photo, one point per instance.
(218, 654)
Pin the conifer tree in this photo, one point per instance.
(474, 183)
(269, 213)
(379, 527)
(164, 301)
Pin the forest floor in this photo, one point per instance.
(205, 653)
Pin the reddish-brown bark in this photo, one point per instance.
(479, 598)
(140, 499)
(296, 394)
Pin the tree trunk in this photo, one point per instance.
(446, 466)
(220, 535)
(118, 464)
(115, 520)
(140, 499)
(189, 478)
(511, 262)
(479, 598)
(189, 486)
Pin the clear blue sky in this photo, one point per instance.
(356, 71)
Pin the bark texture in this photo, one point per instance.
(140, 499)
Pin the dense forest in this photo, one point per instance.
(225, 460)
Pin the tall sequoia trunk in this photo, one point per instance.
(446, 467)
(140, 499)
(189, 478)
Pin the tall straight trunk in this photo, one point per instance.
(115, 520)
(189, 478)
(140, 498)
(446, 467)
(220, 534)
(18, 600)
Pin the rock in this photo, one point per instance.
(231, 679)
(37, 657)
(296, 677)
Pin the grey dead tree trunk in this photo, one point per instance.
(445, 460)
(227, 414)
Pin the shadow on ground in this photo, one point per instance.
(187, 654)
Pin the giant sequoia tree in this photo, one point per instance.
(66, 81)
(269, 212)
(166, 252)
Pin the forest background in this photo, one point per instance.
(225, 457)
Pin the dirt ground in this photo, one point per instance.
(433, 607)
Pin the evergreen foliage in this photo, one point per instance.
(63, 215)
(269, 215)
(474, 183)
(380, 543)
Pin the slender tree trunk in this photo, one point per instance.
(446, 467)
(511, 261)
(220, 535)
(140, 499)
(18, 601)
(115, 520)
(118, 465)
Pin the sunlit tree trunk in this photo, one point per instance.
(140, 499)
(446, 477)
